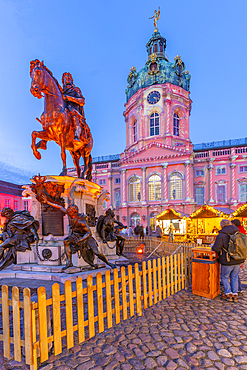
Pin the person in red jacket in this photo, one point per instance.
(241, 229)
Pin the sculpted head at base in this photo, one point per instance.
(7, 212)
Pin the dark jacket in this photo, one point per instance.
(222, 240)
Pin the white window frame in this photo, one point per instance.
(135, 193)
(216, 192)
(239, 187)
(199, 169)
(155, 187)
(200, 187)
(176, 180)
(156, 115)
(220, 168)
(243, 167)
(103, 183)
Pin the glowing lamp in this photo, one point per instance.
(139, 250)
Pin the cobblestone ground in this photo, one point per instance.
(181, 332)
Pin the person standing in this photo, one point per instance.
(142, 236)
(158, 232)
(130, 232)
(229, 267)
(171, 232)
(241, 229)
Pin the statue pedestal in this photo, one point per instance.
(88, 197)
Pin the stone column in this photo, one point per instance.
(111, 192)
(165, 195)
(187, 180)
(233, 198)
(144, 185)
(123, 180)
(211, 185)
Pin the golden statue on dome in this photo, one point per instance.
(156, 17)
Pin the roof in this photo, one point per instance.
(171, 214)
(209, 212)
(220, 144)
(10, 188)
(241, 211)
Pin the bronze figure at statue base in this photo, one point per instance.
(67, 209)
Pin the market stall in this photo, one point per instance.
(177, 219)
(203, 225)
(241, 214)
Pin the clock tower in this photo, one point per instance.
(158, 100)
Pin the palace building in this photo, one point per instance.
(160, 167)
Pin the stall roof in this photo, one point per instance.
(209, 212)
(241, 211)
(171, 214)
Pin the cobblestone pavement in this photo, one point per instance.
(181, 332)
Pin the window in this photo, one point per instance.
(25, 204)
(105, 204)
(161, 48)
(176, 186)
(243, 193)
(154, 187)
(134, 189)
(16, 205)
(7, 202)
(221, 170)
(154, 124)
(176, 124)
(199, 173)
(135, 219)
(221, 193)
(135, 131)
(155, 48)
(117, 180)
(117, 199)
(199, 195)
(242, 168)
(102, 182)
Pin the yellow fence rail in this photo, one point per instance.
(93, 306)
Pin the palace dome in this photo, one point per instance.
(157, 69)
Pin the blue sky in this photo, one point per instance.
(98, 42)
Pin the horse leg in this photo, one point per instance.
(86, 161)
(63, 154)
(41, 144)
(76, 157)
(90, 167)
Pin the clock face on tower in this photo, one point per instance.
(153, 97)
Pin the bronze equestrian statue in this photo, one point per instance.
(80, 237)
(19, 232)
(63, 119)
(109, 232)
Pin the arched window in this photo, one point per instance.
(135, 131)
(154, 187)
(176, 124)
(175, 186)
(155, 48)
(135, 219)
(154, 124)
(134, 189)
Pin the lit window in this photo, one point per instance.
(154, 187)
(135, 131)
(242, 168)
(7, 202)
(102, 182)
(117, 180)
(199, 195)
(154, 124)
(176, 186)
(25, 205)
(16, 205)
(243, 193)
(199, 173)
(176, 124)
(221, 193)
(221, 170)
(134, 189)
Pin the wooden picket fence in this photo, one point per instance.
(94, 306)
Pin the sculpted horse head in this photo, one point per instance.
(57, 121)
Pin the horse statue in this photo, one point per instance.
(58, 120)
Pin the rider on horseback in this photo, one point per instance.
(75, 102)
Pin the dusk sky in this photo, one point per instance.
(98, 42)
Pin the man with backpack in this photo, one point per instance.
(231, 248)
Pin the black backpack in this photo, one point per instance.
(237, 247)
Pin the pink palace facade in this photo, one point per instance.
(160, 167)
